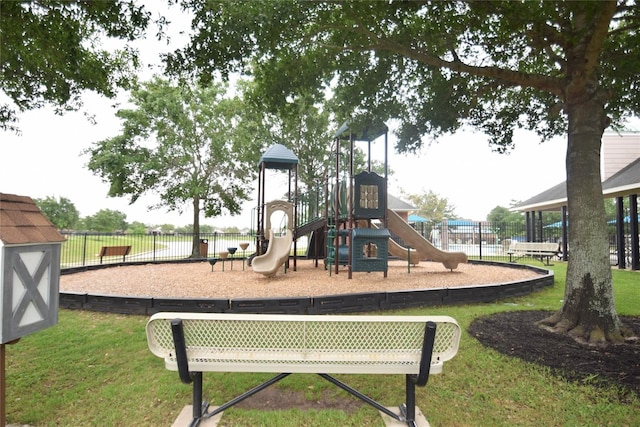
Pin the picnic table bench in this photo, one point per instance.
(114, 251)
(539, 250)
(193, 343)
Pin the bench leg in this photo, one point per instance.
(548, 258)
(409, 408)
(199, 406)
(363, 397)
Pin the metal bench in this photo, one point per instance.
(114, 251)
(193, 343)
(539, 250)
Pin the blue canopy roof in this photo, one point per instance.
(461, 222)
(279, 157)
(627, 220)
(557, 224)
(416, 218)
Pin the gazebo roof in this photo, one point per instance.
(625, 182)
(278, 157)
(550, 199)
(22, 222)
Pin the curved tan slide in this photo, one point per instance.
(277, 254)
(426, 250)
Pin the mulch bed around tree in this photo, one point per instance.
(516, 334)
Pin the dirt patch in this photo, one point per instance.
(273, 398)
(516, 334)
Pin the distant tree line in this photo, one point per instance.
(65, 216)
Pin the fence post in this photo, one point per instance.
(84, 250)
(154, 245)
(480, 237)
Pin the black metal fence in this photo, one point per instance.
(85, 249)
(478, 239)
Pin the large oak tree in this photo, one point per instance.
(552, 67)
(53, 50)
(191, 146)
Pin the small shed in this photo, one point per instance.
(30, 247)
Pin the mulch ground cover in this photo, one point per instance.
(517, 334)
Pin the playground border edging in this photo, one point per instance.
(326, 304)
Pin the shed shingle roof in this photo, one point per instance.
(22, 222)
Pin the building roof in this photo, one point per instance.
(398, 205)
(22, 222)
(625, 182)
(550, 199)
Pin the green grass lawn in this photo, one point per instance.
(94, 369)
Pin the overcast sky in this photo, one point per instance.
(45, 160)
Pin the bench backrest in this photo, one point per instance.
(534, 247)
(114, 250)
(303, 343)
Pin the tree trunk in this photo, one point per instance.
(195, 250)
(588, 311)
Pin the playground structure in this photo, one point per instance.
(349, 225)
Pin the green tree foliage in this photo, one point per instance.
(431, 206)
(500, 214)
(137, 227)
(299, 123)
(506, 222)
(184, 229)
(610, 208)
(552, 67)
(186, 144)
(61, 212)
(51, 51)
(206, 228)
(106, 221)
(167, 228)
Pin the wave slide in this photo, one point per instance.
(426, 250)
(276, 255)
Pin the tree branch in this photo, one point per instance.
(505, 76)
(598, 36)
